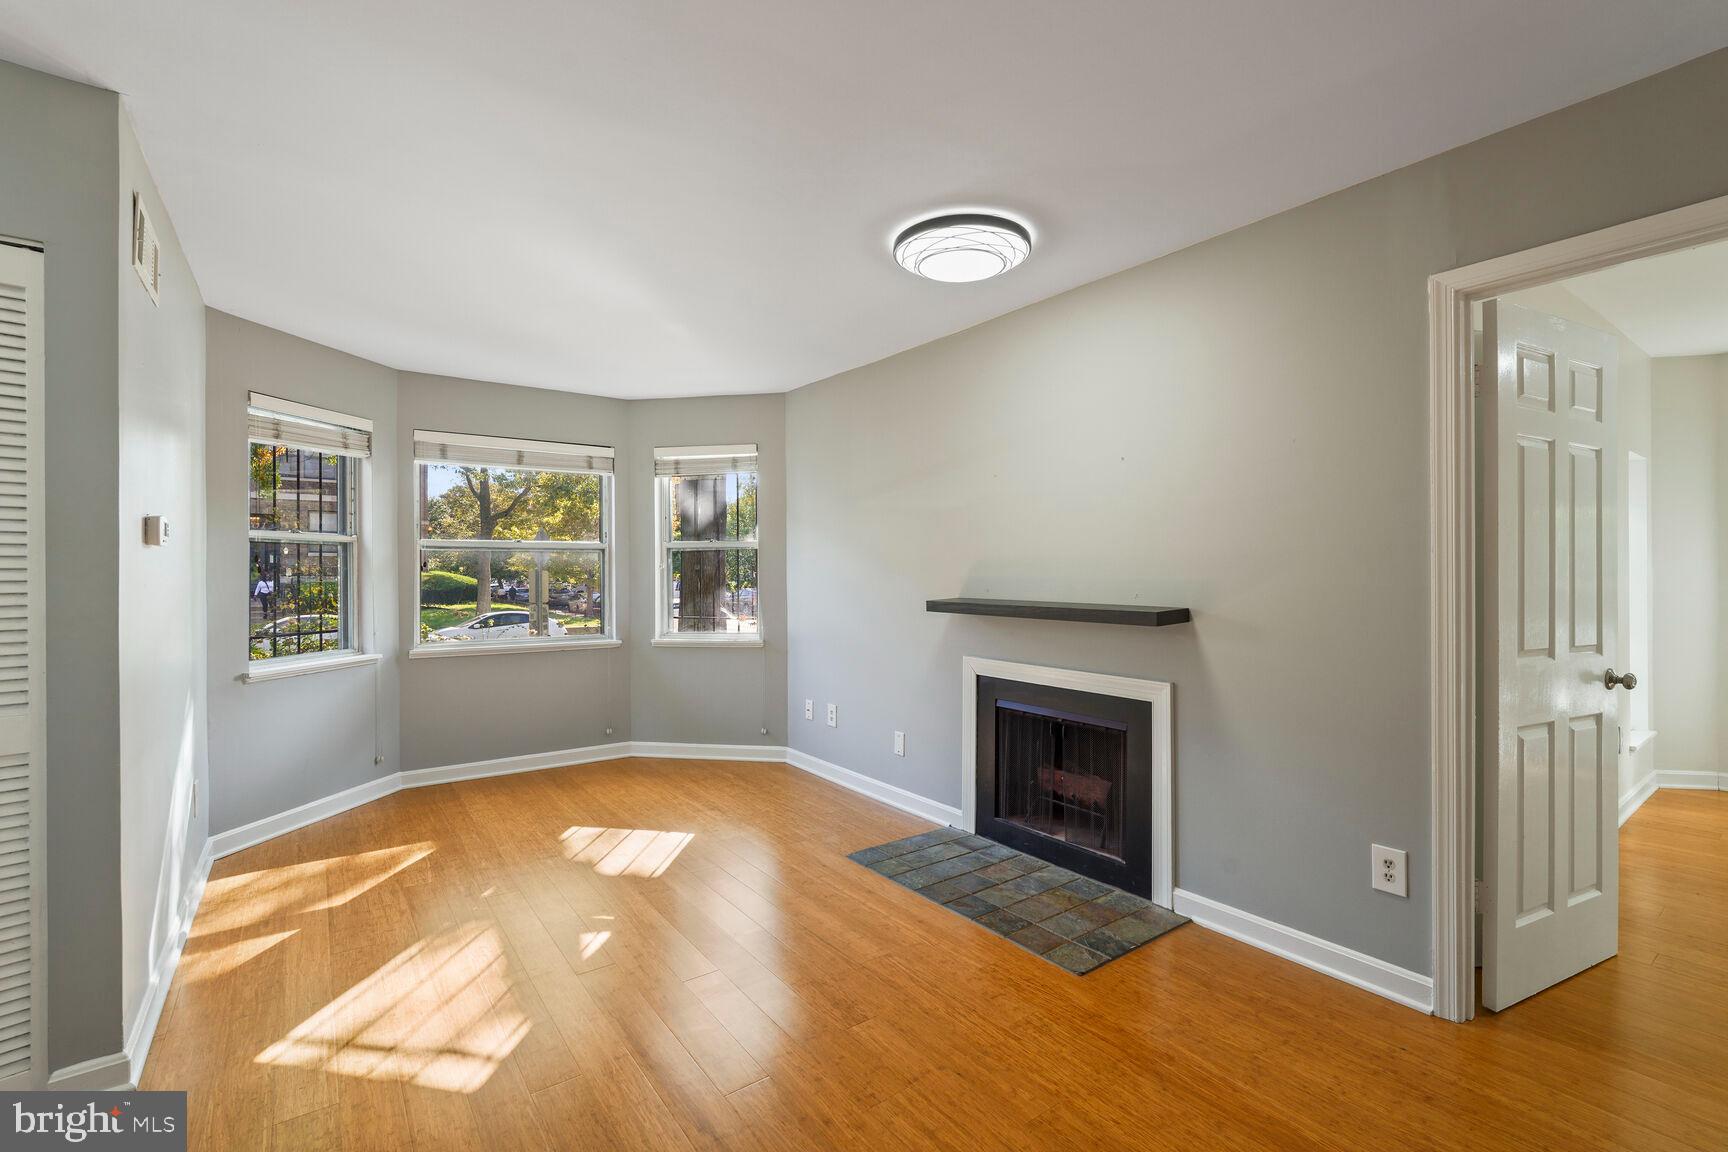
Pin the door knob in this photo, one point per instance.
(1611, 680)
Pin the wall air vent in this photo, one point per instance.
(146, 250)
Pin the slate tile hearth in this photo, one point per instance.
(1070, 920)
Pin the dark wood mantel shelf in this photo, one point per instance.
(1137, 615)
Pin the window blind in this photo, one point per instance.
(713, 460)
(503, 452)
(273, 421)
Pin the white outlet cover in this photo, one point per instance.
(1391, 870)
(899, 743)
(833, 716)
(809, 709)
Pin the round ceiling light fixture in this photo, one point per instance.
(962, 247)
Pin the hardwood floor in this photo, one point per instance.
(677, 954)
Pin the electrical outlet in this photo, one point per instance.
(899, 743)
(608, 731)
(1390, 872)
(833, 715)
(809, 709)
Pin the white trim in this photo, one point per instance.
(708, 640)
(495, 647)
(1411, 989)
(1633, 798)
(768, 753)
(284, 666)
(101, 1074)
(1155, 692)
(511, 765)
(889, 794)
(162, 971)
(280, 407)
(1707, 781)
(1638, 738)
(1452, 536)
(226, 843)
(506, 444)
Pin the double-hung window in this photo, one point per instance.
(515, 543)
(303, 512)
(706, 505)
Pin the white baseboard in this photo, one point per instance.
(226, 843)
(103, 1074)
(247, 835)
(162, 969)
(1708, 781)
(511, 765)
(888, 794)
(1636, 795)
(1410, 989)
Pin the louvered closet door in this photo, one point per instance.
(22, 1062)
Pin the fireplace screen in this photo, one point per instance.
(1062, 776)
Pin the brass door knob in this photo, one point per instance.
(1611, 680)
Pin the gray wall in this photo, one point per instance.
(707, 695)
(1239, 427)
(277, 744)
(161, 619)
(1689, 515)
(59, 175)
(458, 709)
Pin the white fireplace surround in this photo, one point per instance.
(1155, 692)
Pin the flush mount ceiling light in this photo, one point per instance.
(963, 247)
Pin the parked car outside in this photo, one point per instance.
(312, 632)
(496, 626)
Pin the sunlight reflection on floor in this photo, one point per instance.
(248, 899)
(625, 851)
(203, 960)
(440, 1014)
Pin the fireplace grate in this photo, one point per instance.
(1061, 775)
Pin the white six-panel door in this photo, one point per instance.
(22, 1055)
(1551, 731)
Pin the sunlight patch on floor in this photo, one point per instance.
(204, 961)
(624, 851)
(246, 900)
(439, 1014)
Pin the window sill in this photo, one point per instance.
(713, 640)
(496, 647)
(1637, 738)
(285, 666)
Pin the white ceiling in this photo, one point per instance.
(649, 199)
(1672, 305)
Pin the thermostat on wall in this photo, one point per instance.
(155, 531)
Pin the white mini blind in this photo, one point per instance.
(505, 452)
(712, 460)
(273, 421)
(21, 645)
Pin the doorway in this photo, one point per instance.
(1551, 792)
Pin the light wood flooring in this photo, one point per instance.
(677, 954)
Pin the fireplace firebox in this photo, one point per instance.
(1066, 776)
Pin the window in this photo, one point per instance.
(515, 541)
(706, 501)
(302, 516)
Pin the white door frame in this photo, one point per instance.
(1452, 548)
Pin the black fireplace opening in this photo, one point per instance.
(1066, 776)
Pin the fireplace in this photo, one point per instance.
(1066, 775)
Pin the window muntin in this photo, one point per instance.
(708, 501)
(512, 554)
(300, 551)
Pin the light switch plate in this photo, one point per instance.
(809, 709)
(1391, 873)
(899, 743)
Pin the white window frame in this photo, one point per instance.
(664, 546)
(454, 442)
(353, 652)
